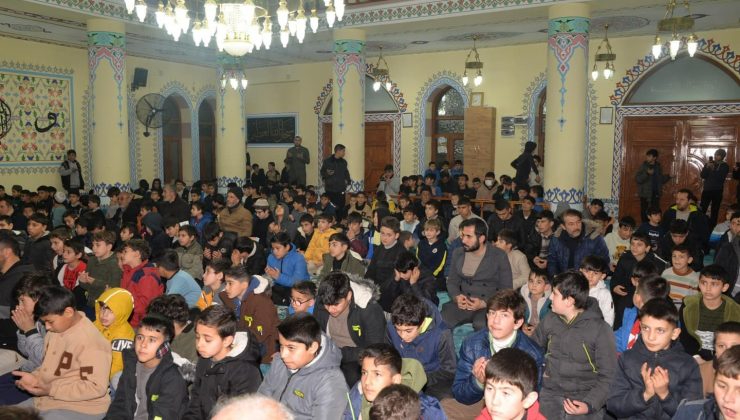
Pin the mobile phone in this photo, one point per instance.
(711, 158)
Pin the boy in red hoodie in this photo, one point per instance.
(140, 277)
(511, 387)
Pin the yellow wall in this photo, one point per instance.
(508, 72)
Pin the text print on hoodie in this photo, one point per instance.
(119, 333)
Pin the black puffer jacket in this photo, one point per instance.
(166, 390)
(237, 374)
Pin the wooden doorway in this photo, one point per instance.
(684, 145)
(172, 147)
(207, 130)
(378, 149)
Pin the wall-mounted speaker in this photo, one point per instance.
(140, 76)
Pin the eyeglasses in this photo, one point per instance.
(298, 302)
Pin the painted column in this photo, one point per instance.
(109, 143)
(567, 90)
(231, 146)
(348, 104)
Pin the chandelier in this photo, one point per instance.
(381, 73)
(234, 76)
(239, 27)
(675, 25)
(607, 57)
(474, 64)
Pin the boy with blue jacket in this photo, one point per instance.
(286, 266)
(656, 374)
(504, 318)
(417, 331)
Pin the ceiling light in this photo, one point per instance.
(607, 57)
(675, 25)
(473, 65)
(381, 71)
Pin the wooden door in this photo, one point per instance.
(172, 148)
(207, 133)
(378, 151)
(328, 147)
(684, 145)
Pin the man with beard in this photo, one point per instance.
(573, 242)
(478, 270)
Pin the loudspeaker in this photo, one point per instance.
(140, 76)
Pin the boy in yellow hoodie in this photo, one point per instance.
(319, 244)
(112, 311)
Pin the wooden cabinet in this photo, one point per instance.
(480, 135)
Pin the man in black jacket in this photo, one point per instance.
(684, 210)
(336, 178)
(11, 271)
(504, 218)
(524, 164)
(728, 255)
(173, 205)
(714, 174)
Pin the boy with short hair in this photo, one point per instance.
(511, 387)
(653, 228)
(102, 271)
(410, 221)
(536, 294)
(656, 374)
(595, 270)
(417, 331)
(213, 283)
(340, 257)
(56, 239)
(618, 242)
(72, 381)
(581, 357)
(409, 277)
(319, 244)
(140, 277)
(178, 281)
(302, 297)
(304, 234)
(648, 286)
(381, 266)
(726, 336)
(286, 266)
(37, 250)
(228, 363)
(190, 253)
(397, 401)
(382, 367)
(504, 319)
(306, 377)
(683, 280)
(151, 385)
(724, 403)
(701, 314)
(246, 296)
(112, 310)
(432, 252)
(508, 241)
(176, 309)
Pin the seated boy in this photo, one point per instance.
(726, 336)
(319, 244)
(245, 296)
(190, 252)
(397, 402)
(302, 297)
(536, 294)
(504, 318)
(304, 234)
(102, 267)
(724, 403)
(178, 281)
(112, 310)
(213, 283)
(306, 377)
(508, 241)
(701, 314)
(174, 308)
(411, 278)
(432, 252)
(656, 374)
(581, 357)
(347, 312)
(382, 367)
(72, 381)
(340, 257)
(149, 371)
(228, 363)
(409, 222)
(417, 331)
(286, 266)
(140, 277)
(648, 286)
(683, 280)
(511, 387)
(595, 270)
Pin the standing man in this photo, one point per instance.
(524, 164)
(71, 173)
(336, 178)
(296, 160)
(714, 174)
(650, 180)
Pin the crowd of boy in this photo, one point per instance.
(174, 299)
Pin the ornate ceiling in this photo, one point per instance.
(401, 27)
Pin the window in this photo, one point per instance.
(448, 127)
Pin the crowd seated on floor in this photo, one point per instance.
(429, 297)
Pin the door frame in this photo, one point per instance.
(380, 117)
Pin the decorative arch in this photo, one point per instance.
(426, 93)
(720, 54)
(179, 89)
(207, 93)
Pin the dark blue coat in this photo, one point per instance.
(466, 388)
(589, 243)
